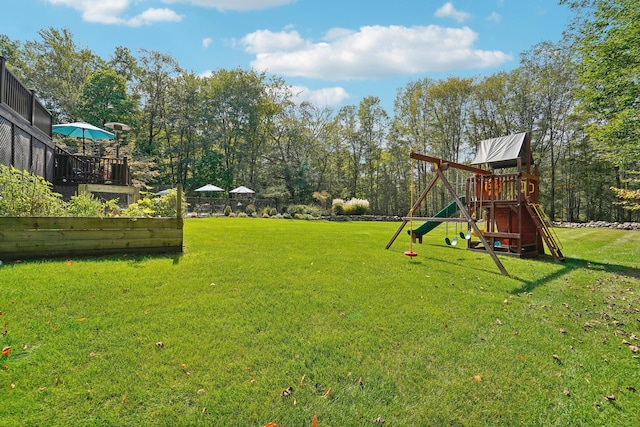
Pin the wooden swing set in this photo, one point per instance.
(508, 202)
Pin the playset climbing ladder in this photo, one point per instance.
(546, 230)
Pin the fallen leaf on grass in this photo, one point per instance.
(477, 378)
(69, 262)
(609, 397)
(327, 393)
(81, 319)
(563, 331)
(287, 392)
(92, 354)
(633, 348)
(379, 420)
(5, 367)
(6, 351)
(566, 392)
(271, 424)
(159, 344)
(12, 386)
(499, 322)
(314, 421)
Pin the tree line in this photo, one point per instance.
(243, 127)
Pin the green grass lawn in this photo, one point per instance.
(255, 306)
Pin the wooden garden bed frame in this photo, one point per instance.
(55, 237)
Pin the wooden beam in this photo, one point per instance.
(440, 162)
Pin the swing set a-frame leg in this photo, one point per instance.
(413, 209)
(472, 223)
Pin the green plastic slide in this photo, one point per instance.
(450, 210)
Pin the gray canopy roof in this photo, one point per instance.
(502, 152)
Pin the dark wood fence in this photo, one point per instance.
(23, 100)
(25, 128)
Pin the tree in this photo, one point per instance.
(605, 35)
(11, 50)
(554, 82)
(158, 73)
(373, 129)
(105, 99)
(59, 70)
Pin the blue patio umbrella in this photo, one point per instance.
(82, 130)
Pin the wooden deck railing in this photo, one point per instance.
(22, 100)
(71, 169)
(507, 187)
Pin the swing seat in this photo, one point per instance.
(410, 254)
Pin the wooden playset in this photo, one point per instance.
(500, 204)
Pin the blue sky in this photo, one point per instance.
(334, 52)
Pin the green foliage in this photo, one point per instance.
(24, 194)
(443, 339)
(294, 210)
(270, 211)
(337, 207)
(352, 206)
(356, 207)
(155, 206)
(250, 209)
(89, 205)
(606, 39)
(227, 210)
(105, 99)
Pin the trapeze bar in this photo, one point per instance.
(434, 219)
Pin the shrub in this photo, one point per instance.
(242, 215)
(270, 211)
(227, 210)
(89, 205)
(294, 210)
(24, 194)
(337, 207)
(155, 206)
(356, 207)
(250, 209)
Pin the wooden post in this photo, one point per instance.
(179, 202)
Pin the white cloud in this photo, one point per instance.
(325, 97)
(371, 52)
(495, 17)
(448, 11)
(112, 11)
(206, 42)
(237, 5)
(265, 41)
(150, 16)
